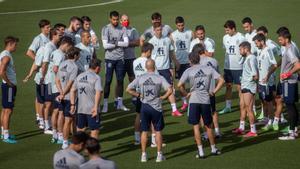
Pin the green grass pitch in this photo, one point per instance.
(34, 150)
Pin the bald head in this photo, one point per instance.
(85, 37)
(150, 65)
(125, 20)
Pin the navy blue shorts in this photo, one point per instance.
(290, 92)
(40, 95)
(279, 89)
(244, 90)
(66, 105)
(213, 104)
(167, 75)
(265, 92)
(233, 76)
(8, 96)
(56, 104)
(48, 93)
(196, 111)
(86, 120)
(114, 65)
(182, 68)
(150, 115)
(128, 67)
(138, 105)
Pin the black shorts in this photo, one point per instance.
(40, 93)
(290, 92)
(138, 105)
(66, 105)
(279, 89)
(128, 67)
(86, 120)
(167, 75)
(233, 76)
(48, 93)
(56, 103)
(150, 115)
(182, 68)
(265, 92)
(213, 104)
(8, 96)
(244, 90)
(196, 111)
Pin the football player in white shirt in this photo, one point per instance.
(74, 27)
(250, 33)
(60, 27)
(276, 94)
(233, 61)
(39, 41)
(86, 26)
(181, 39)
(163, 53)
(208, 43)
(266, 66)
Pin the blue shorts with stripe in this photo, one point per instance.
(290, 92)
(40, 93)
(150, 115)
(8, 96)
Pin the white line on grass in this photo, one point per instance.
(60, 9)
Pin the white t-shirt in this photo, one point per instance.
(249, 37)
(182, 41)
(209, 44)
(265, 60)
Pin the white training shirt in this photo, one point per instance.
(182, 41)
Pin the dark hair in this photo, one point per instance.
(259, 37)
(179, 19)
(200, 27)
(10, 39)
(92, 146)
(59, 25)
(247, 20)
(43, 23)
(72, 52)
(156, 25)
(230, 24)
(53, 31)
(263, 29)
(246, 44)
(156, 15)
(75, 18)
(84, 31)
(146, 47)
(114, 14)
(282, 29)
(199, 49)
(66, 40)
(285, 34)
(79, 137)
(194, 58)
(95, 63)
(85, 18)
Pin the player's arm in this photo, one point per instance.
(106, 44)
(167, 93)
(59, 87)
(44, 70)
(94, 54)
(123, 43)
(131, 89)
(72, 98)
(97, 102)
(3, 66)
(181, 83)
(220, 83)
(33, 69)
(30, 54)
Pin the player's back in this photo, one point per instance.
(98, 163)
(139, 66)
(67, 159)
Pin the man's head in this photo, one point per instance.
(86, 23)
(150, 65)
(156, 18)
(92, 146)
(73, 53)
(284, 38)
(10, 43)
(230, 27)
(179, 21)
(66, 43)
(114, 17)
(157, 30)
(199, 48)
(260, 40)
(55, 35)
(60, 27)
(146, 49)
(75, 23)
(85, 37)
(245, 48)
(200, 32)
(194, 58)
(125, 20)
(95, 65)
(248, 24)
(45, 26)
(78, 141)
(282, 29)
(262, 30)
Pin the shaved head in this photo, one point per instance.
(124, 17)
(150, 65)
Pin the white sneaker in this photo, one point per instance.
(41, 126)
(122, 107)
(160, 158)
(288, 137)
(104, 109)
(283, 120)
(48, 131)
(144, 158)
(153, 145)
